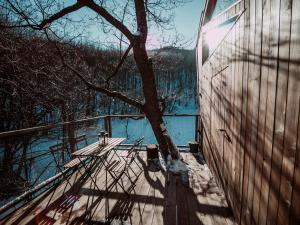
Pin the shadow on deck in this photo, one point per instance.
(155, 198)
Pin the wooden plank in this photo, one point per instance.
(148, 210)
(170, 208)
(159, 194)
(181, 203)
(216, 151)
(261, 108)
(289, 162)
(241, 111)
(294, 90)
(253, 92)
(272, 11)
(138, 209)
(281, 95)
(295, 208)
(262, 126)
(249, 115)
(222, 109)
(228, 117)
(237, 113)
(233, 131)
(246, 113)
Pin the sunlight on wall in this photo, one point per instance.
(213, 34)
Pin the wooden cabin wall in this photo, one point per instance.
(249, 94)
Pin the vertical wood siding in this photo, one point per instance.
(249, 94)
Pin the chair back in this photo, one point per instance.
(80, 139)
(136, 147)
(60, 152)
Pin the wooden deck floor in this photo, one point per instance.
(157, 198)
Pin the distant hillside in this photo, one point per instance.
(175, 58)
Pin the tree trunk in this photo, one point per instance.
(163, 138)
(151, 107)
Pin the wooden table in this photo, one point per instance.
(97, 154)
(95, 150)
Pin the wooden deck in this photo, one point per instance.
(157, 198)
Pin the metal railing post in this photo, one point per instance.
(71, 136)
(107, 125)
(196, 128)
(201, 134)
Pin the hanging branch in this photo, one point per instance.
(119, 65)
(45, 23)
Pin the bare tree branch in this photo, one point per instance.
(112, 20)
(120, 64)
(110, 93)
(24, 17)
(45, 23)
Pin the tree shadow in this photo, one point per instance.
(180, 201)
(170, 202)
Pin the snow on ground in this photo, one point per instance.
(194, 172)
(176, 166)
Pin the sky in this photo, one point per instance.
(187, 20)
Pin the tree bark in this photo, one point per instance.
(151, 107)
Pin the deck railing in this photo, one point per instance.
(25, 152)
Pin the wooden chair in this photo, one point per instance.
(130, 155)
(60, 153)
(120, 168)
(80, 139)
(75, 162)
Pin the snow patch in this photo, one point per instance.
(137, 33)
(176, 166)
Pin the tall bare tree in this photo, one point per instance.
(124, 17)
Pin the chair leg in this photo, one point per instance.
(87, 170)
(116, 180)
(60, 170)
(139, 166)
